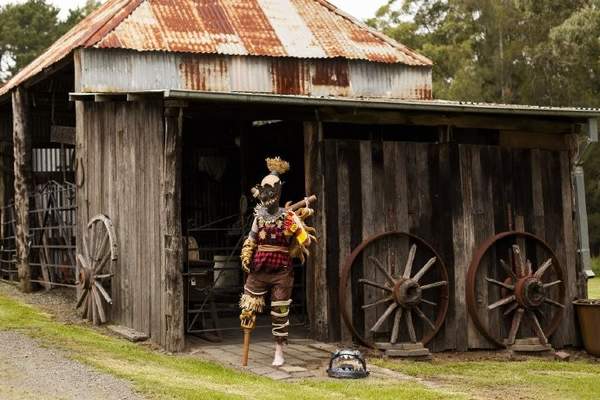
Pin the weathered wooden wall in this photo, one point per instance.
(6, 157)
(120, 152)
(454, 196)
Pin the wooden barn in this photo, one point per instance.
(159, 114)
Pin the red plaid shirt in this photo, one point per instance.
(272, 234)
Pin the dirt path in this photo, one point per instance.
(30, 371)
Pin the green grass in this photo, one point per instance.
(594, 288)
(594, 283)
(162, 376)
(533, 379)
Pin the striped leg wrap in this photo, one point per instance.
(280, 311)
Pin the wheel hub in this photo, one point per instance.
(530, 292)
(407, 293)
(85, 277)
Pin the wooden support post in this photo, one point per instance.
(316, 275)
(172, 333)
(22, 170)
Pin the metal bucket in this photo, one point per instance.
(227, 272)
(588, 314)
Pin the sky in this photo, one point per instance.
(361, 9)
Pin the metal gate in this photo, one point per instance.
(51, 244)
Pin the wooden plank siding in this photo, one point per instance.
(120, 156)
(454, 196)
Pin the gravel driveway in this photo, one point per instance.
(30, 371)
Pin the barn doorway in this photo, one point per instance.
(222, 160)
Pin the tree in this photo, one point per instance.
(28, 28)
(486, 50)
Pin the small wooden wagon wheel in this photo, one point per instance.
(100, 251)
(530, 291)
(403, 292)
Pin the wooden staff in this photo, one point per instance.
(301, 203)
(247, 333)
(248, 326)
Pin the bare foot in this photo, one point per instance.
(278, 360)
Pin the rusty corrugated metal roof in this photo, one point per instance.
(104, 19)
(276, 28)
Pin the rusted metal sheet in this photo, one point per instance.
(276, 28)
(122, 70)
(298, 29)
(101, 20)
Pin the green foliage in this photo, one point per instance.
(512, 51)
(27, 29)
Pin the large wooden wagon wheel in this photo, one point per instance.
(96, 268)
(403, 292)
(527, 292)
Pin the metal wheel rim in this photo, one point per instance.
(347, 268)
(472, 277)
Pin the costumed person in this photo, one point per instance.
(278, 235)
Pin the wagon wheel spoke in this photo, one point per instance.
(98, 251)
(422, 315)
(431, 303)
(424, 270)
(378, 302)
(82, 297)
(85, 302)
(95, 319)
(550, 284)
(410, 326)
(508, 270)
(502, 302)
(528, 267)
(554, 302)
(86, 251)
(511, 308)
(104, 276)
(538, 328)
(379, 265)
(543, 268)
(102, 263)
(518, 260)
(434, 285)
(502, 284)
(375, 284)
(99, 306)
(409, 261)
(92, 244)
(83, 261)
(396, 326)
(516, 323)
(383, 317)
(103, 292)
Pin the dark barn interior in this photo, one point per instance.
(222, 159)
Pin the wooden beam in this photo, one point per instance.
(508, 122)
(22, 171)
(172, 328)
(102, 98)
(317, 268)
(150, 96)
(62, 134)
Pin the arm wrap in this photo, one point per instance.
(247, 252)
